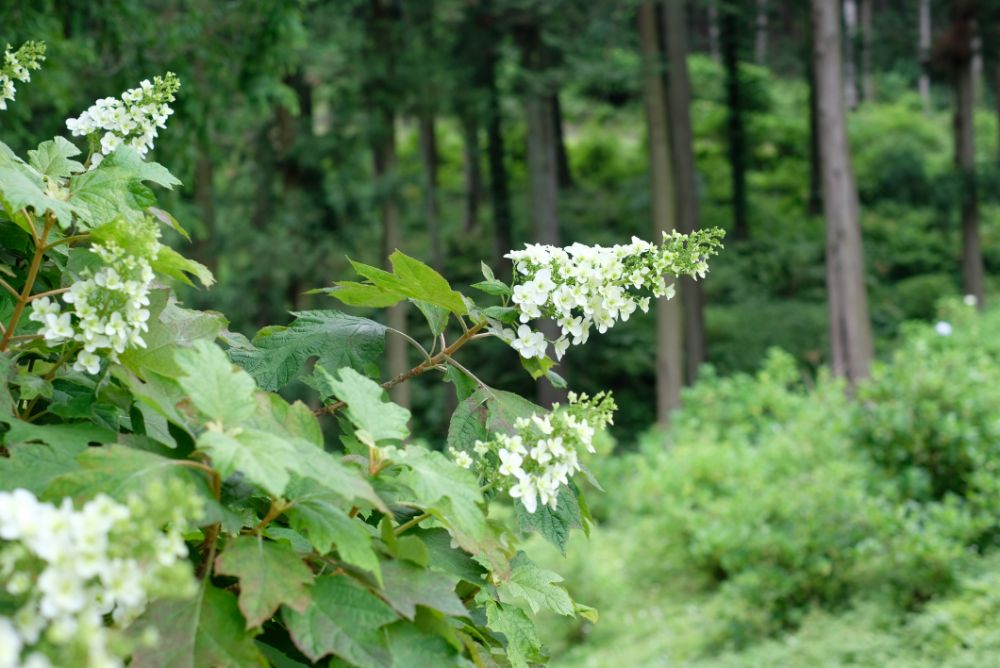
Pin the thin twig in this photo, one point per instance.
(48, 293)
(412, 523)
(67, 240)
(9, 288)
(29, 283)
(414, 342)
(421, 368)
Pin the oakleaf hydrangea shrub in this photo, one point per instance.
(161, 504)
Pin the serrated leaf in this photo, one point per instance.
(167, 219)
(353, 293)
(411, 646)
(537, 367)
(170, 327)
(19, 191)
(493, 287)
(270, 575)
(263, 458)
(467, 424)
(34, 466)
(436, 317)
(536, 587)
(445, 557)
(119, 472)
(316, 513)
(405, 586)
(126, 158)
(169, 262)
(523, 646)
(367, 407)
(342, 619)
(52, 158)
(281, 418)
(73, 436)
(218, 389)
(335, 339)
(554, 525)
(328, 470)
(205, 631)
(423, 283)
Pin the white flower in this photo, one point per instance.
(88, 362)
(529, 343)
(510, 463)
(463, 459)
(943, 328)
(10, 645)
(525, 491)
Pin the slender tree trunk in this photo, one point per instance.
(867, 76)
(713, 30)
(472, 172)
(760, 36)
(385, 174)
(682, 145)
(669, 371)
(924, 46)
(965, 162)
(565, 175)
(204, 197)
(977, 63)
(429, 161)
(814, 205)
(851, 30)
(736, 127)
(499, 179)
(850, 330)
(996, 99)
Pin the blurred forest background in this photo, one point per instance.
(310, 131)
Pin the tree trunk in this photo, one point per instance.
(736, 126)
(851, 29)
(996, 99)
(385, 174)
(760, 36)
(924, 46)
(965, 162)
(669, 370)
(682, 145)
(850, 330)
(499, 178)
(204, 197)
(867, 76)
(429, 162)
(814, 206)
(713, 30)
(565, 175)
(472, 172)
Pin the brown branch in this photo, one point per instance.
(421, 368)
(29, 283)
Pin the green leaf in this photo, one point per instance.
(464, 384)
(52, 158)
(493, 287)
(270, 574)
(335, 339)
(72, 436)
(537, 367)
(342, 619)
(452, 495)
(169, 262)
(423, 283)
(19, 191)
(406, 586)
(326, 468)
(367, 408)
(218, 389)
(263, 458)
(523, 646)
(204, 631)
(536, 587)
(410, 646)
(467, 424)
(277, 658)
(119, 472)
(126, 158)
(291, 421)
(34, 466)
(101, 195)
(165, 218)
(436, 317)
(316, 513)
(353, 293)
(554, 525)
(170, 327)
(449, 559)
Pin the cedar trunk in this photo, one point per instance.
(429, 162)
(668, 322)
(682, 145)
(924, 49)
(850, 330)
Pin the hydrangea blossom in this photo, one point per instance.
(106, 312)
(77, 577)
(543, 452)
(586, 287)
(134, 119)
(17, 65)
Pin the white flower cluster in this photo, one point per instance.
(533, 463)
(106, 312)
(68, 571)
(583, 287)
(133, 119)
(17, 65)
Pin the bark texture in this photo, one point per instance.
(850, 330)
